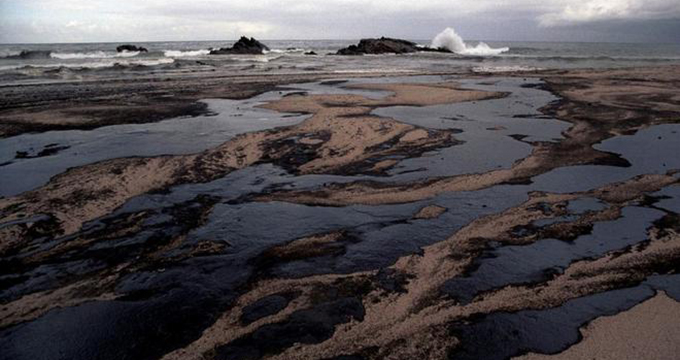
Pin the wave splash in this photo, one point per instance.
(450, 40)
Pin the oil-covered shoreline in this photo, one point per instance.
(376, 217)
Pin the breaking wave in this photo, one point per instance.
(46, 54)
(4, 54)
(29, 55)
(508, 68)
(91, 65)
(449, 39)
(191, 53)
(290, 50)
(94, 55)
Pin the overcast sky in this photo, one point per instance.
(28, 21)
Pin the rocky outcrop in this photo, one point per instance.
(131, 48)
(385, 46)
(243, 46)
(310, 53)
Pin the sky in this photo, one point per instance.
(48, 21)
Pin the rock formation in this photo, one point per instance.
(385, 46)
(243, 46)
(131, 48)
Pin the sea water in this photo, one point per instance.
(289, 56)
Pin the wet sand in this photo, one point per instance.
(141, 236)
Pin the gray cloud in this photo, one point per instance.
(591, 11)
(97, 20)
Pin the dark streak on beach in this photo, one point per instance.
(272, 245)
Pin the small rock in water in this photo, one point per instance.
(131, 48)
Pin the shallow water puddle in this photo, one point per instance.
(539, 261)
(185, 135)
(655, 150)
(503, 335)
(489, 132)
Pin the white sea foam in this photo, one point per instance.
(10, 67)
(145, 62)
(282, 51)
(374, 71)
(112, 63)
(499, 69)
(194, 53)
(93, 55)
(8, 53)
(91, 65)
(126, 53)
(450, 40)
(253, 58)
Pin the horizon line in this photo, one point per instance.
(332, 39)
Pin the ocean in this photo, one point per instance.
(169, 205)
(288, 56)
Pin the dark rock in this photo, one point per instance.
(310, 53)
(439, 49)
(385, 46)
(243, 46)
(131, 48)
(379, 46)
